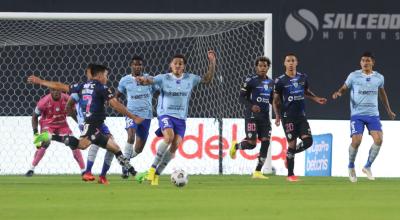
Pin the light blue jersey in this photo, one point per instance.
(138, 96)
(175, 94)
(364, 92)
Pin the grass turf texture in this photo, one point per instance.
(205, 197)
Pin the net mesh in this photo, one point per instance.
(60, 51)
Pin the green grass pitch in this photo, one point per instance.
(205, 197)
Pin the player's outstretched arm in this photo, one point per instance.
(209, 75)
(384, 99)
(276, 105)
(119, 107)
(340, 92)
(309, 94)
(49, 84)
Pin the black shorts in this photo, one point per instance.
(295, 127)
(91, 129)
(257, 128)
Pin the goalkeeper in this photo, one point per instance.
(53, 119)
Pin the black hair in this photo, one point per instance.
(263, 59)
(96, 69)
(368, 54)
(180, 56)
(136, 57)
(290, 54)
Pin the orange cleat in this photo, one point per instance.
(292, 178)
(103, 180)
(87, 176)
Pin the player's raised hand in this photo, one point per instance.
(34, 79)
(211, 56)
(336, 95)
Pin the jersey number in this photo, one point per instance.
(88, 99)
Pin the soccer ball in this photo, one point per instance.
(179, 178)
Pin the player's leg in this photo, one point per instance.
(131, 128)
(264, 135)
(250, 142)
(305, 136)
(37, 157)
(108, 157)
(289, 128)
(375, 130)
(92, 153)
(179, 126)
(356, 130)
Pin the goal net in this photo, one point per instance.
(58, 47)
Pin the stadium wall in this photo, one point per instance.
(199, 152)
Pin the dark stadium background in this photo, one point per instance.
(327, 62)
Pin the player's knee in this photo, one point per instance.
(131, 139)
(168, 139)
(71, 142)
(307, 142)
(378, 141)
(252, 142)
(99, 139)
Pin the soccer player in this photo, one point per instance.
(92, 97)
(92, 153)
(53, 118)
(172, 107)
(290, 91)
(139, 102)
(256, 94)
(365, 86)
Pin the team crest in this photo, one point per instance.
(295, 84)
(57, 109)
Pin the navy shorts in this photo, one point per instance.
(166, 121)
(142, 129)
(358, 122)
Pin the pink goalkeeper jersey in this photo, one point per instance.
(52, 113)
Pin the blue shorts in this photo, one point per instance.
(103, 129)
(142, 129)
(166, 121)
(357, 123)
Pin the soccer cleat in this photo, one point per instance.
(87, 176)
(352, 175)
(367, 171)
(154, 182)
(103, 180)
(43, 137)
(29, 173)
(151, 174)
(233, 150)
(292, 178)
(140, 177)
(259, 175)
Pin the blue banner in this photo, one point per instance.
(319, 156)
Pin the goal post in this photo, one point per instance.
(58, 46)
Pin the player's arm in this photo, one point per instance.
(276, 105)
(119, 107)
(209, 75)
(309, 94)
(145, 80)
(35, 122)
(244, 97)
(384, 99)
(70, 107)
(340, 91)
(49, 84)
